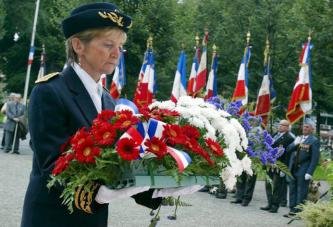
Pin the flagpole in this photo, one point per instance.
(31, 54)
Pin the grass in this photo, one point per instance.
(320, 173)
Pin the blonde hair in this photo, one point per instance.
(85, 37)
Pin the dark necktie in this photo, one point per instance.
(16, 109)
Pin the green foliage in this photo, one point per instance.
(171, 24)
(317, 214)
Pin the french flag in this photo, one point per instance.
(263, 105)
(118, 80)
(200, 80)
(181, 157)
(179, 83)
(41, 71)
(193, 74)
(147, 86)
(211, 87)
(241, 89)
(137, 92)
(301, 98)
(31, 55)
(266, 93)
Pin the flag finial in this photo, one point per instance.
(310, 33)
(248, 36)
(150, 42)
(266, 51)
(205, 39)
(197, 39)
(214, 48)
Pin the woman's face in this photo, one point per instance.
(101, 54)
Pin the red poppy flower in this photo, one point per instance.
(127, 149)
(214, 147)
(104, 134)
(156, 146)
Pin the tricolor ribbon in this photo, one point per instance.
(144, 131)
(181, 157)
(155, 129)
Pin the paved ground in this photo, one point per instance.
(206, 210)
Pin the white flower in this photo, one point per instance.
(246, 163)
(219, 125)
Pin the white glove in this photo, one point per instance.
(16, 119)
(307, 176)
(282, 174)
(297, 140)
(165, 192)
(106, 195)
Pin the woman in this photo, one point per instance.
(61, 103)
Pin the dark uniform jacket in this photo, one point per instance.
(58, 108)
(304, 157)
(284, 141)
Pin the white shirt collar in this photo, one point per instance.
(91, 86)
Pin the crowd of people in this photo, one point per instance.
(13, 123)
(301, 156)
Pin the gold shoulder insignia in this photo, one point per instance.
(46, 77)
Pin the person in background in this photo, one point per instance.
(3, 111)
(303, 162)
(62, 103)
(276, 189)
(14, 111)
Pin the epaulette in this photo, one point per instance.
(46, 77)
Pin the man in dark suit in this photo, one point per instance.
(62, 103)
(303, 162)
(14, 111)
(276, 189)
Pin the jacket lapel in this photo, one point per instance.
(107, 102)
(80, 95)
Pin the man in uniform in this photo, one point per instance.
(276, 189)
(303, 161)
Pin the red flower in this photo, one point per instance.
(156, 146)
(80, 139)
(62, 163)
(191, 132)
(104, 134)
(125, 119)
(84, 147)
(163, 114)
(127, 149)
(214, 147)
(104, 116)
(87, 154)
(173, 134)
